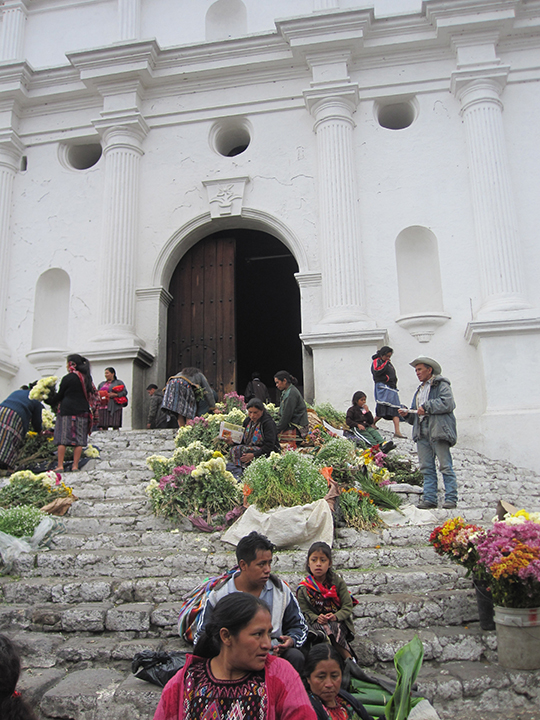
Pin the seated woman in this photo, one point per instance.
(323, 672)
(260, 435)
(292, 408)
(232, 673)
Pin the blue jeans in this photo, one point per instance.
(427, 452)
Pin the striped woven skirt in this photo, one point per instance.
(71, 430)
(11, 437)
(179, 398)
(108, 419)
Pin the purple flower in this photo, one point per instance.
(167, 480)
(184, 470)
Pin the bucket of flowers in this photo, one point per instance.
(509, 554)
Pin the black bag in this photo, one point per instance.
(157, 667)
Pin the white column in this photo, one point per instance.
(122, 148)
(129, 19)
(13, 24)
(495, 219)
(325, 4)
(340, 241)
(10, 156)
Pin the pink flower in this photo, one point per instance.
(184, 469)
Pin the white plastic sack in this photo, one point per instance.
(12, 547)
(409, 515)
(423, 711)
(286, 527)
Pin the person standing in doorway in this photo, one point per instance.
(434, 431)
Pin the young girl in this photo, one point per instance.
(323, 673)
(360, 420)
(325, 600)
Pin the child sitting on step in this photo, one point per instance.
(325, 600)
(360, 420)
(12, 705)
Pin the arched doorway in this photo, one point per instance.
(235, 309)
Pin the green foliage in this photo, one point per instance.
(20, 521)
(25, 488)
(403, 470)
(208, 489)
(284, 480)
(327, 412)
(359, 510)
(340, 454)
(408, 661)
(381, 496)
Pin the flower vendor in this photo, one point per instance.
(260, 435)
(292, 408)
(113, 397)
(16, 413)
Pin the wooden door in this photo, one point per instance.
(201, 317)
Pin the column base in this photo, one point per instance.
(48, 360)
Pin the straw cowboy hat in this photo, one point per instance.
(437, 369)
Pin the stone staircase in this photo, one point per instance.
(111, 585)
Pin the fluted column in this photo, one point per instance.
(129, 18)
(342, 283)
(122, 148)
(325, 4)
(495, 218)
(13, 25)
(10, 156)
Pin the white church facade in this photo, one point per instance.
(242, 184)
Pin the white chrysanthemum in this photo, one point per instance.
(48, 419)
(152, 485)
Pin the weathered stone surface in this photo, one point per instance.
(85, 618)
(38, 650)
(96, 649)
(131, 616)
(33, 684)
(83, 695)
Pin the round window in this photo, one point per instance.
(230, 137)
(396, 115)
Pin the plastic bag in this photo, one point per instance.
(157, 667)
(12, 547)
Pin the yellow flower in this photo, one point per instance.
(31, 434)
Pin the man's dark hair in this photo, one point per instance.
(152, 386)
(248, 546)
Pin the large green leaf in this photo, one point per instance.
(408, 661)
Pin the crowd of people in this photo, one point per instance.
(262, 651)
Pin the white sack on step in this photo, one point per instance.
(286, 527)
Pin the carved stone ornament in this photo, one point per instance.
(225, 196)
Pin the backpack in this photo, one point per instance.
(194, 602)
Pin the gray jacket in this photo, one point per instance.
(439, 407)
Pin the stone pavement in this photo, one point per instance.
(112, 583)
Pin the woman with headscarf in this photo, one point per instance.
(386, 393)
(260, 435)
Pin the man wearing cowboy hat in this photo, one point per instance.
(434, 430)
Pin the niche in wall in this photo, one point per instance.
(226, 19)
(419, 282)
(51, 313)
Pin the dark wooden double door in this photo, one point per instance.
(235, 309)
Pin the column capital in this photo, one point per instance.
(126, 130)
(16, 5)
(11, 149)
(335, 101)
(482, 83)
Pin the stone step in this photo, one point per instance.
(161, 589)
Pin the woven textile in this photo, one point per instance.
(11, 436)
(71, 430)
(179, 398)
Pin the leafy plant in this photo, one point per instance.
(340, 454)
(332, 416)
(20, 521)
(408, 661)
(381, 496)
(359, 510)
(403, 471)
(283, 480)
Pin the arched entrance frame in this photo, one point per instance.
(197, 229)
(201, 226)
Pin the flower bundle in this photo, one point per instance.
(191, 454)
(206, 429)
(48, 419)
(358, 509)
(456, 540)
(26, 488)
(21, 520)
(284, 480)
(43, 388)
(91, 452)
(207, 488)
(510, 555)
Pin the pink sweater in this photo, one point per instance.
(287, 698)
